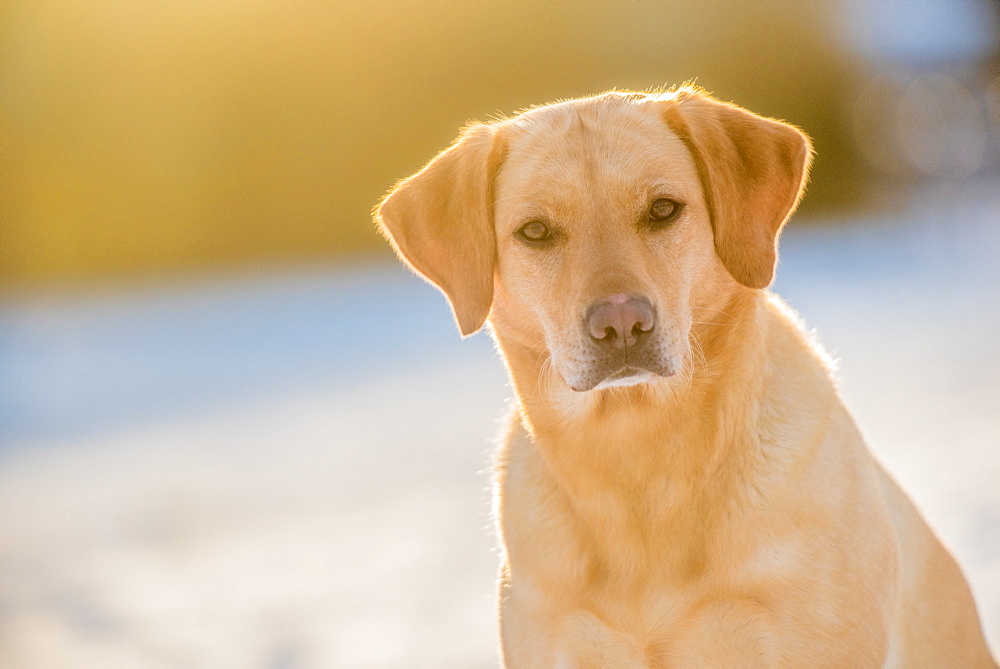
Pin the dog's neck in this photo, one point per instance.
(681, 445)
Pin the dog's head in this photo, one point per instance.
(600, 231)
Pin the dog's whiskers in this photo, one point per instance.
(717, 311)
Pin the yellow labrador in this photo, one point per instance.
(680, 484)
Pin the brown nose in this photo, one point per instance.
(620, 320)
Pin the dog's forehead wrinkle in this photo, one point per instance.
(600, 172)
(594, 201)
(617, 123)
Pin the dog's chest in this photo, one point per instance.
(557, 605)
(601, 585)
(671, 630)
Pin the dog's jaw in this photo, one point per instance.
(583, 368)
(629, 376)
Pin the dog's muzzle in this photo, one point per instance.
(621, 329)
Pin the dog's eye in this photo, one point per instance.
(535, 231)
(663, 211)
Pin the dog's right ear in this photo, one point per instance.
(440, 221)
(753, 170)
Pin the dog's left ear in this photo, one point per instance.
(440, 222)
(753, 171)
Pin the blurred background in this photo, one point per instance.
(235, 433)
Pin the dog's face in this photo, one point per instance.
(602, 236)
(598, 232)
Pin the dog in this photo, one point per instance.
(679, 484)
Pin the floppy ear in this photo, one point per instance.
(440, 223)
(753, 171)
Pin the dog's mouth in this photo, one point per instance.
(626, 376)
(621, 376)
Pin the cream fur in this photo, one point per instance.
(726, 514)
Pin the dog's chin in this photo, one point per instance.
(624, 377)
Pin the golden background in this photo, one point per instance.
(144, 137)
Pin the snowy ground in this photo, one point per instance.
(290, 470)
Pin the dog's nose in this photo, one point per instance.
(620, 320)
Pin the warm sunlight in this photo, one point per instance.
(234, 432)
